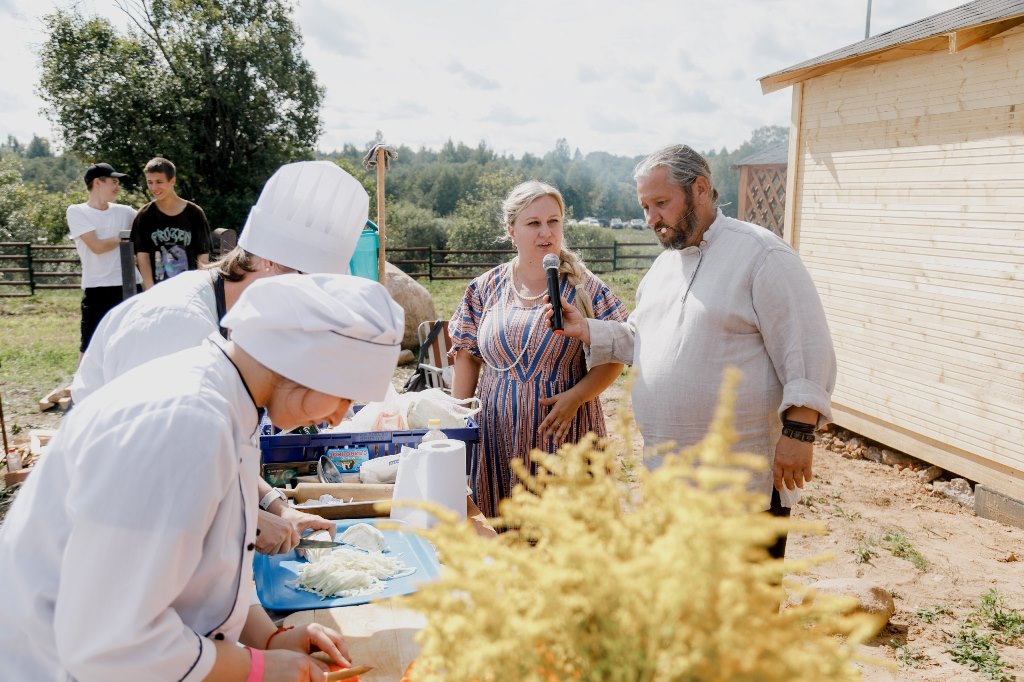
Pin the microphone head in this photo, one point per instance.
(550, 261)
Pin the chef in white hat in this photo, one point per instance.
(307, 219)
(128, 553)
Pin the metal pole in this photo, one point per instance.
(31, 274)
(867, 23)
(615, 254)
(430, 262)
(127, 265)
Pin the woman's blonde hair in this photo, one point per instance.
(234, 265)
(570, 263)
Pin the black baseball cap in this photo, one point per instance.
(101, 170)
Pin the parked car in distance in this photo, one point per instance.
(590, 221)
(637, 223)
(603, 222)
(616, 224)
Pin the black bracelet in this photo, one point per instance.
(802, 427)
(797, 435)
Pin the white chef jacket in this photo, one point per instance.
(130, 547)
(752, 305)
(174, 315)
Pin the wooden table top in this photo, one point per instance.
(379, 635)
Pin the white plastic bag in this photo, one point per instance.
(436, 404)
(386, 415)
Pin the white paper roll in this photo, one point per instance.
(433, 472)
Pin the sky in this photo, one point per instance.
(606, 75)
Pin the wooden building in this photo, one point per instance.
(905, 199)
(762, 188)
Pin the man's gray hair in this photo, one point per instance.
(683, 163)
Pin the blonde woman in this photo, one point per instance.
(534, 384)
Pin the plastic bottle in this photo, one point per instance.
(434, 431)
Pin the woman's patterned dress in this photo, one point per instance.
(524, 361)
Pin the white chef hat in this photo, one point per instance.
(309, 217)
(336, 334)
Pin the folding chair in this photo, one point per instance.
(435, 361)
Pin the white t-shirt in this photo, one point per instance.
(100, 269)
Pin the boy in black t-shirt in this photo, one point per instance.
(171, 235)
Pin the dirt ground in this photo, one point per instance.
(860, 502)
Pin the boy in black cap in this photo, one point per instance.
(95, 227)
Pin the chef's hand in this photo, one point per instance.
(303, 521)
(291, 666)
(313, 637)
(274, 534)
(574, 324)
(793, 463)
(563, 406)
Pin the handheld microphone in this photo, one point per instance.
(550, 264)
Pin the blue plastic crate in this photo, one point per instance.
(288, 447)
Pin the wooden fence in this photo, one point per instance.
(26, 267)
(440, 264)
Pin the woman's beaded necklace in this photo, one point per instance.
(520, 289)
(529, 335)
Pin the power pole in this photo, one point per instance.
(867, 23)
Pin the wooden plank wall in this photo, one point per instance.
(907, 191)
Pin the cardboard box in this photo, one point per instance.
(362, 496)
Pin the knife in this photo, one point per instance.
(306, 543)
(347, 673)
(318, 544)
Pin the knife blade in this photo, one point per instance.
(318, 544)
(306, 543)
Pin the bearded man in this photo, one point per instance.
(724, 292)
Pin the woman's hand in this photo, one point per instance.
(560, 417)
(291, 666)
(274, 534)
(313, 637)
(303, 521)
(574, 324)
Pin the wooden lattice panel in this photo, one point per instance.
(763, 197)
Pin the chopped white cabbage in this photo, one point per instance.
(348, 573)
(314, 555)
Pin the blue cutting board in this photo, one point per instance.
(273, 573)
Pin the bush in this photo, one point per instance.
(613, 576)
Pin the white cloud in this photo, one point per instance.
(474, 80)
(604, 74)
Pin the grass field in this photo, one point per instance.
(40, 346)
(39, 349)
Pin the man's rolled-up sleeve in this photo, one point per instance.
(795, 330)
(610, 341)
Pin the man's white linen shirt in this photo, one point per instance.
(752, 305)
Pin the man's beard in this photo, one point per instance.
(679, 233)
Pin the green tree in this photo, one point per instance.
(218, 86)
(476, 223)
(39, 147)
